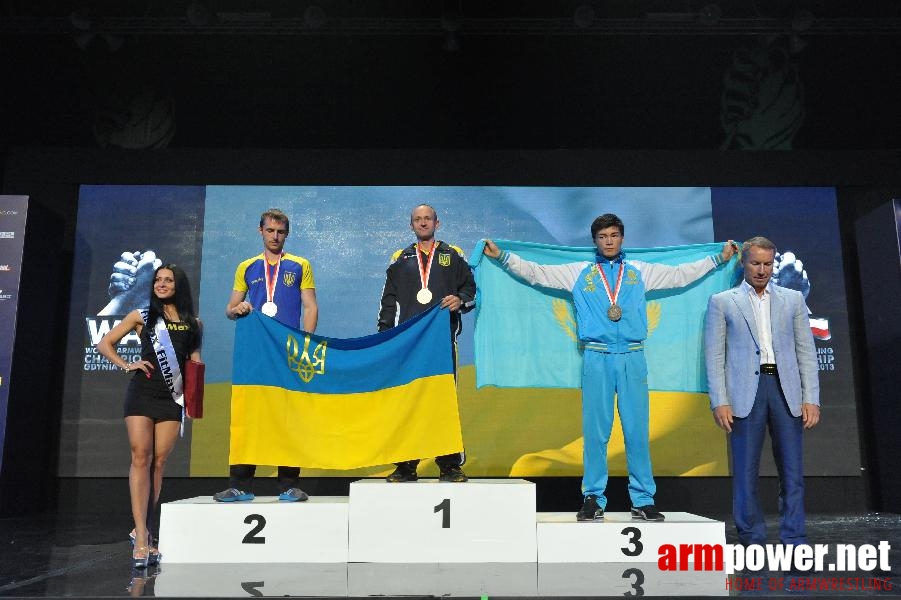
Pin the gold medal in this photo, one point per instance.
(424, 296)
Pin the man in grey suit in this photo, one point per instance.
(762, 373)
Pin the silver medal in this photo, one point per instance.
(424, 296)
(269, 309)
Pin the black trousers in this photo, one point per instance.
(443, 462)
(241, 477)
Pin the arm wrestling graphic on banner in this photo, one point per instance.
(128, 282)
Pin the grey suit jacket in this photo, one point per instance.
(732, 350)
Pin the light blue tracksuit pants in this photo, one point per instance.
(625, 375)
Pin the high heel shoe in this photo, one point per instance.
(154, 556)
(140, 557)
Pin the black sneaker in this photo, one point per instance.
(453, 474)
(648, 513)
(591, 510)
(402, 474)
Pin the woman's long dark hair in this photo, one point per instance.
(183, 300)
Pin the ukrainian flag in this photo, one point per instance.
(304, 400)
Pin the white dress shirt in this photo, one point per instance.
(761, 307)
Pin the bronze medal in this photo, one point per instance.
(614, 313)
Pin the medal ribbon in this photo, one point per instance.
(271, 280)
(619, 282)
(425, 271)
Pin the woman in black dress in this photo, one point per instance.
(152, 415)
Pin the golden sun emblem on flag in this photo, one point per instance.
(654, 311)
(306, 367)
(564, 316)
(289, 279)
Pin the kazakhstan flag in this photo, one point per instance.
(305, 400)
(526, 336)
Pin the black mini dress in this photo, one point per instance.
(149, 397)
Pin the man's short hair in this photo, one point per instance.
(760, 242)
(434, 212)
(276, 215)
(605, 221)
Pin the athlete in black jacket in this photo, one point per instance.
(420, 276)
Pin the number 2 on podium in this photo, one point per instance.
(444, 508)
(252, 537)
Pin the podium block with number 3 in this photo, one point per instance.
(483, 520)
(619, 538)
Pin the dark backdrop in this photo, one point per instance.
(452, 73)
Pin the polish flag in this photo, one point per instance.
(820, 329)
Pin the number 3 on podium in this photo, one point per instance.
(634, 546)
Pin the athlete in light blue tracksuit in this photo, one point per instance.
(609, 298)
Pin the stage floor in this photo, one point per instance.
(88, 556)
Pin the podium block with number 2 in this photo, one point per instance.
(483, 520)
(199, 530)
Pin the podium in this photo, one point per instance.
(264, 530)
(619, 538)
(482, 537)
(442, 579)
(480, 521)
(232, 580)
(618, 556)
(629, 579)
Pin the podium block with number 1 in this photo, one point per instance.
(482, 520)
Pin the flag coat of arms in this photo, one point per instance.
(305, 400)
(527, 337)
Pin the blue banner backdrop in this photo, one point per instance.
(13, 214)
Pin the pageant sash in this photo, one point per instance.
(168, 361)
